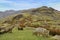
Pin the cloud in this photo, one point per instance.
(26, 4)
(55, 5)
(5, 5)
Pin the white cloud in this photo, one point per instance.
(26, 5)
(55, 5)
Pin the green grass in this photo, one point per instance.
(21, 35)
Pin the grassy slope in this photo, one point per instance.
(21, 35)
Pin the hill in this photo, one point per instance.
(6, 13)
(45, 11)
(37, 16)
(45, 17)
(41, 11)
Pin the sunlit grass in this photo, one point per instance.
(21, 35)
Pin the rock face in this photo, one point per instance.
(56, 37)
(6, 29)
(17, 17)
(41, 31)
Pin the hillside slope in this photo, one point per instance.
(37, 16)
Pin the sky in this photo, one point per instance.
(27, 4)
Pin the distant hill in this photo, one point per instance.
(7, 13)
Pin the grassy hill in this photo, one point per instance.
(31, 18)
(44, 14)
(41, 15)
